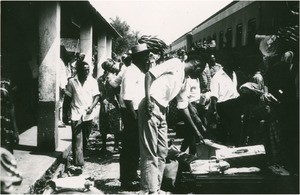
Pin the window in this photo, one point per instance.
(251, 31)
(209, 38)
(221, 39)
(239, 33)
(228, 37)
(214, 37)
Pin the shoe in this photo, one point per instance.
(130, 186)
(137, 178)
(61, 125)
(163, 192)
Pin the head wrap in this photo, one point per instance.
(202, 50)
(108, 64)
(153, 43)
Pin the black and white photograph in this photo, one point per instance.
(149, 97)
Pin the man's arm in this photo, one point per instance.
(129, 106)
(187, 116)
(91, 107)
(214, 112)
(149, 78)
(115, 81)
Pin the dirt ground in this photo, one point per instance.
(104, 168)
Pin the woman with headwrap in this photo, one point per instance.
(109, 117)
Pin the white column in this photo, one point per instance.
(101, 52)
(86, 43)
(49, 57)
(109, 47)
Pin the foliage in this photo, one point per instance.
(128, 40)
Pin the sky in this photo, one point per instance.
(167, 19)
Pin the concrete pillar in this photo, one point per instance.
(101, 42)
(49, 56)
(108, 47)
(86, 43)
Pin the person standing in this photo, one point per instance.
(162, 84)
(79, 58)
(213, 65)
(189, 140)
(132, 93)
(84, 94)
(109, 116)
(225, 104)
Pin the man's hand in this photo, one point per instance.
(89, 110)
(149, 108)
(269, 98)
(200, 139)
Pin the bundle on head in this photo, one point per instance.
(155, 44)
(203, 49)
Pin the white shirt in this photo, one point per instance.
(133, 85)
(223, 87)
(82, 97)
(194, 92)
(116, 81)
(170, 82)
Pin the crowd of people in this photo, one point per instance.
(215, 101)
(140, 94)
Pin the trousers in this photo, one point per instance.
(80, 140)
(153, 136)
(129, 155)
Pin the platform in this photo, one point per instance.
(33, 164)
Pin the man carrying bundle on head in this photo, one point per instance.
(162, 84)
(144, 56)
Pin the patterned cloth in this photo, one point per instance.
(205, 80)
(274, 136)
(9, 130)
(172, 113)
(109, 117)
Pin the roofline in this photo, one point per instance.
(113, 30)
(221, 10)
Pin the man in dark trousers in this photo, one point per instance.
(83, 92)
(132, 93)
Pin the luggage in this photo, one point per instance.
(247, 156)
(169, 175)
(208, 149)
(212, 166)
(261, 182)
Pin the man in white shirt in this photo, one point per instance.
(162, 84)
(213, 65)
(225, 104)
(84, 93)
(132, 92)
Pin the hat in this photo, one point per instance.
(139, 48)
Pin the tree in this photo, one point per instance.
(128, 40)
